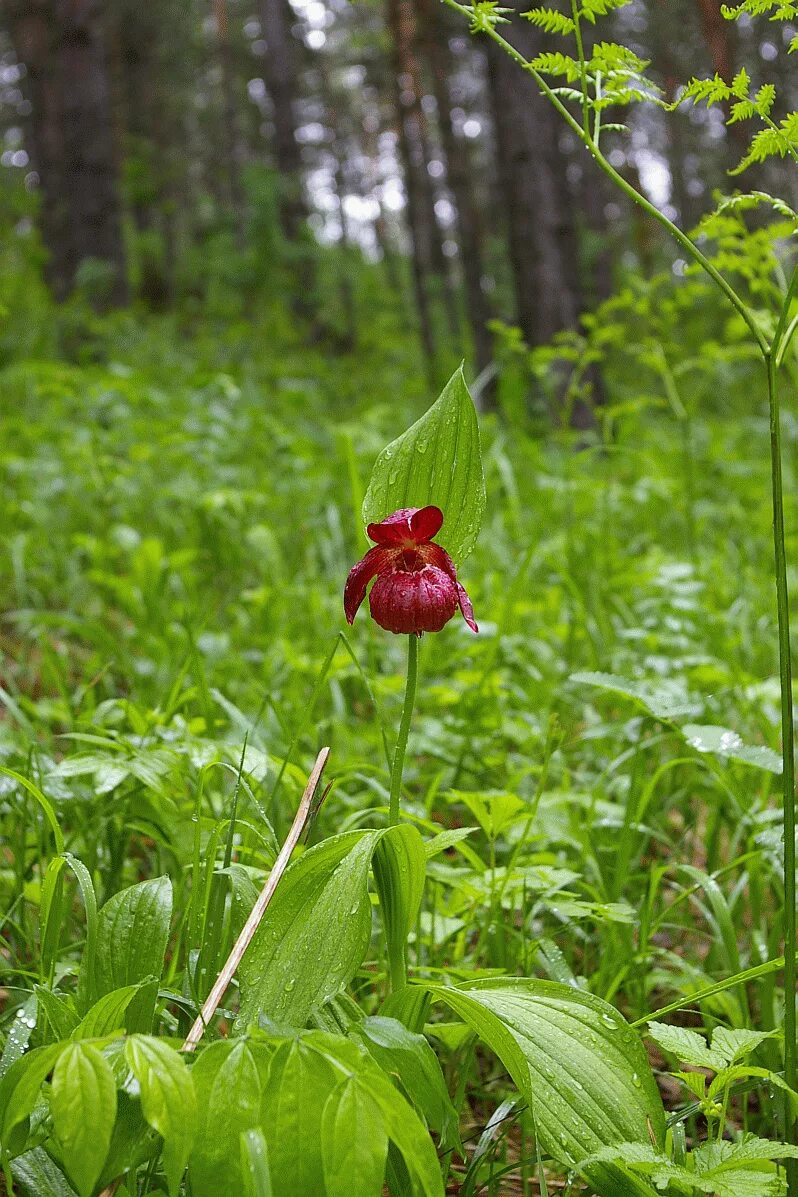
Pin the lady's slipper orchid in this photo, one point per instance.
(416, 588)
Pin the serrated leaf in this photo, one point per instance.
(437, 461)
(168, 1100)
(726, 743)
(735, 1043)
(688, 1046)
(549, 20)
(83, 1107)
(662, 701)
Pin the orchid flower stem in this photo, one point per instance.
(404, 729)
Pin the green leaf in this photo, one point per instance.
(131, 941)
(19, 1033)
(737, 1043)
(255, 1163)
(40, 1176)
(83, 1106)
(354, 1142)
(407, 1132)
(577, 1063)
(400, 867)
(726, 743)
(20, 1086)
(437, 461)
(314, 935)
(663, 701)
(300, 1081)
(549, 20)
(59, 1010)
(107, 1014)
(228, 1080)
(688, 1046)
(408, 1058)
(316, 932)
(168, 1100)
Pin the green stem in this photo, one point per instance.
(583, 67)
(788, 752)
(687, 245)
(404, 729)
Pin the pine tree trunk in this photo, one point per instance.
(279, 75)
(61, 44)
(400, 24)
(230, 149)
(540, 213)
(469, 226)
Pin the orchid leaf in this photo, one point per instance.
(437, 461)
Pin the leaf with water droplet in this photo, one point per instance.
(437, 461)
(724, 742)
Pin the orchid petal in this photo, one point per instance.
(441, 558)
(394, 529)
(425, 523)
(359, 577)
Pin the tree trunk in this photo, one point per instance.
(230, 149)
(400, 23)
(469, 226)
(542, 228)
(60, 42)
(280, 77)
(718, 36)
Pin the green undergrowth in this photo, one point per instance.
(598, 766)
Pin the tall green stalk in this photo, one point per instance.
(772, 352)
(404, 729)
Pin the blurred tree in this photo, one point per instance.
(230, 148)
(539, 204)
(281, 78)
(72, 142)
(435, 38)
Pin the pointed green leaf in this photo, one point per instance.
(354, 1142)
(437, 461)
(107, 1014)
(131, 942)
(687, 1046)
(581, 1068)
(20, 1086)
(228, 1080)
(168, 1100)
(83, 1106)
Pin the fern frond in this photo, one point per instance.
(558, 64)
(776, 142)
(591, 9)
(776, 10)
(550, 21)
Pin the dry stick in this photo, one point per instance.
(251, 925)
(259, 909)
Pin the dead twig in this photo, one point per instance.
(303, 814)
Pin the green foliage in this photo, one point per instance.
(437, 461)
